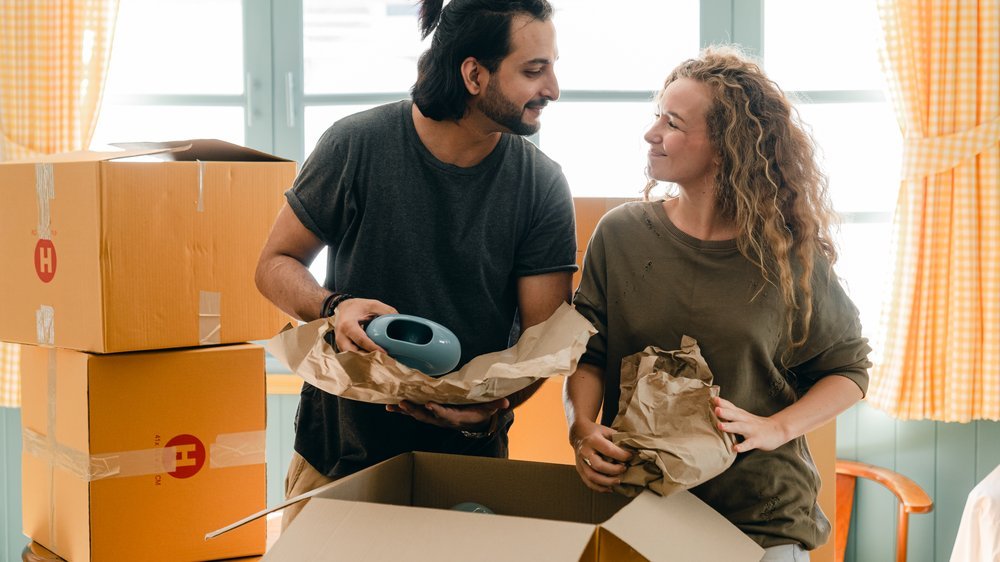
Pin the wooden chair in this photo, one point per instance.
(912, 499)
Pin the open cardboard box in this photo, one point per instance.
(399, 509)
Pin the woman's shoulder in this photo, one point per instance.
(628, 214)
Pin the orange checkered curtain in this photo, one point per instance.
(53, 62)
(940, 330)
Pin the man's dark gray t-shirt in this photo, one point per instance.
(432, 240)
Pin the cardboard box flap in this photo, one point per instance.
(208, 150)
(680, 527)
(86, 156)
(328, 529)
(264, 512)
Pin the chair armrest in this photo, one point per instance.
(911, 496)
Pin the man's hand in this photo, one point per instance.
(469, 417)
(758, 432)
(598, 460)
(348, 322)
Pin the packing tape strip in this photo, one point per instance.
(45, 189)
(237, 449)
(209, 317)
(201, 186)
(45, 325)
(228, 450)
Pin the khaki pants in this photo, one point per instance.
(301, 478)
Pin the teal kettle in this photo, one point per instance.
(416, 342)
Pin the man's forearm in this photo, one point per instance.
(291, 287)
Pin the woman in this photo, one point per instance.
(739, 258)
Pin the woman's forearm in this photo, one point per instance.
(830, 396)
(583, 393)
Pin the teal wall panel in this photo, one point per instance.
(280, 440)
(876, 445)
(987, 448)
(11, 540)
(915, 458)
(955, 476)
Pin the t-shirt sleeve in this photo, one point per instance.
(321, 196)
(591, 299)
(835, 345)
(549, 244)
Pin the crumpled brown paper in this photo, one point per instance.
(665, 417)
(550, 348)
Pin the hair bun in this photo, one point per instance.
(430, 15)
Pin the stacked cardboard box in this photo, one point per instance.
(127, 276)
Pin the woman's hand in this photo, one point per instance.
(598, 460)
(758, 432)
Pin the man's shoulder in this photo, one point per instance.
(362, 131)
(370, 120)
(529, 151)
(522, 154)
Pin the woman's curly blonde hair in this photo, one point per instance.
(768, 183)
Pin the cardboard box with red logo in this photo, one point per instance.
(135, 456)
(150, 248)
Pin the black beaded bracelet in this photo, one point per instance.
(488, 432)
(332, 301)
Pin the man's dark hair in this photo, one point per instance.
(464, 28)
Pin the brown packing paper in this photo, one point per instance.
(547, 349)
(665, 416)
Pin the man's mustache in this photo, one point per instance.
(537, 104)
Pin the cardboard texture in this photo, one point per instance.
(550, 348)
(108, 252)
(666, 417)
(401, 507)
(137, 455)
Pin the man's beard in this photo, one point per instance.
(506, 113)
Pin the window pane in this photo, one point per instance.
(318, 266)
(127, 123)
(864, 267)
(605, 46)
(861, 152)
(355, 46)
(822, 45)
(177, 47)
(599, 145)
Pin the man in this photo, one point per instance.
(436, 208)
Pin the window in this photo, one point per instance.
(162, 88)
(275, 74)
(833, 68)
